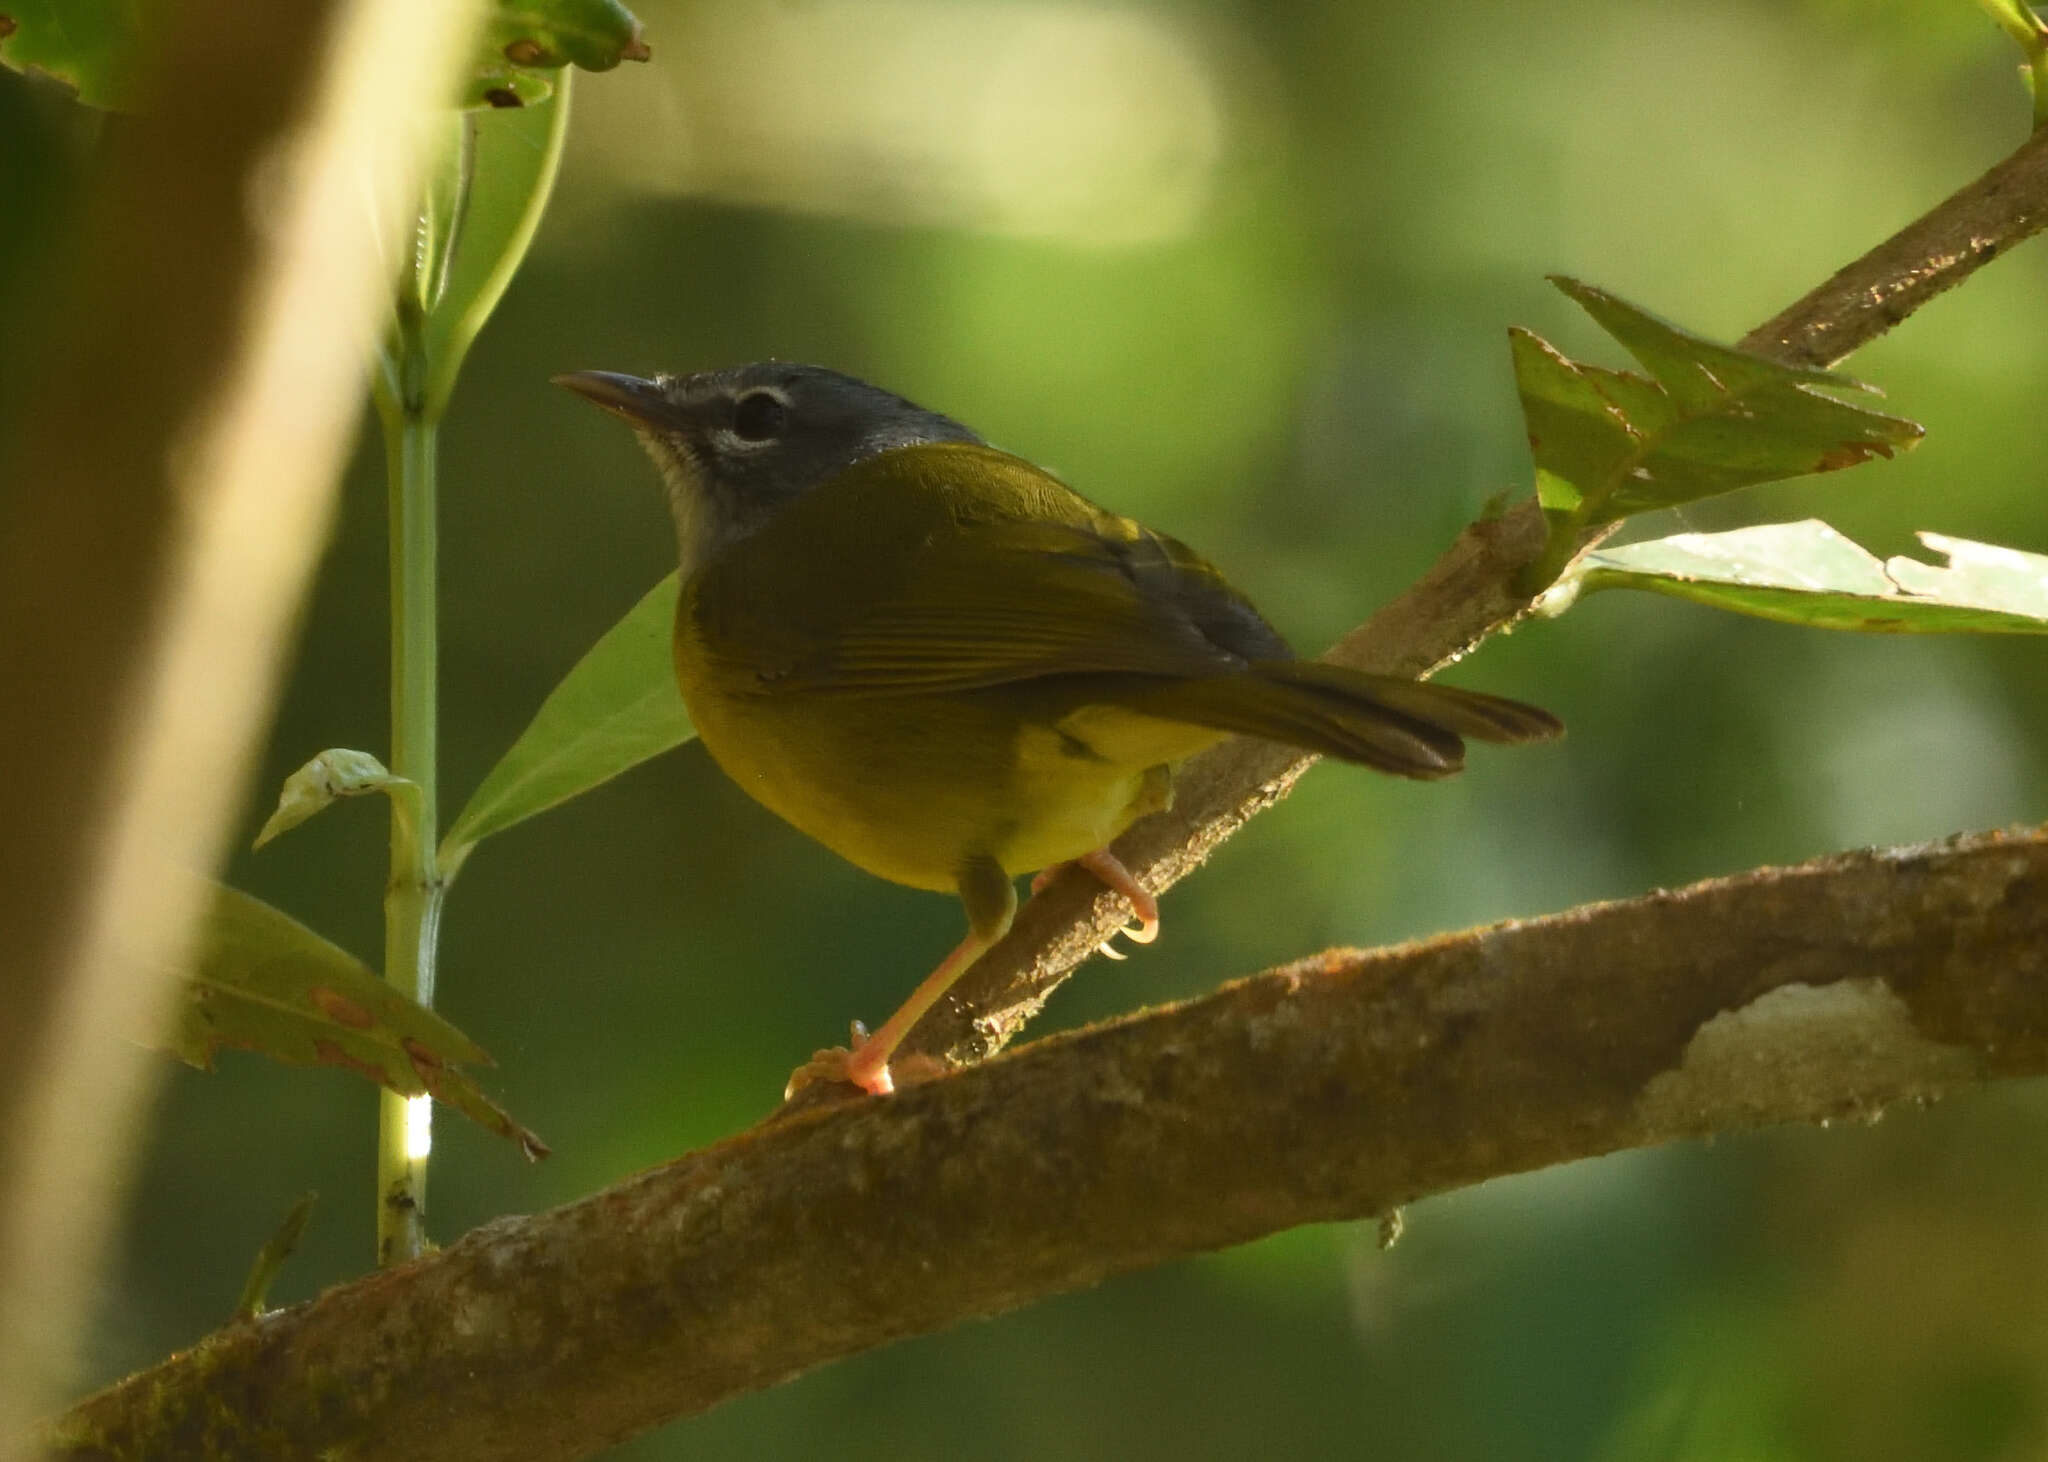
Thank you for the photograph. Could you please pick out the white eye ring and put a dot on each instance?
(758, 415)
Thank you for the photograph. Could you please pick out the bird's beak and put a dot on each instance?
(638, 400)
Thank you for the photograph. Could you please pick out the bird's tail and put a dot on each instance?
(1397, 725)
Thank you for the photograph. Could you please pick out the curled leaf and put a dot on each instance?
(333, 774)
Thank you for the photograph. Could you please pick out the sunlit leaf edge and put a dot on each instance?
(1748, 586)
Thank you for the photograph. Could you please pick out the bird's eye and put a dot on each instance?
(758, 415)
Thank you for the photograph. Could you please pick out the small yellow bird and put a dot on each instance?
(950, 668)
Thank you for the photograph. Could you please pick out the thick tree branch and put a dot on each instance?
(1465, 597)
(1338, 1087)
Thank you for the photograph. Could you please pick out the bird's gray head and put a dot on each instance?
(736, 445)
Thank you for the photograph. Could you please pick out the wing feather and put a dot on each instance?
(1019, 579)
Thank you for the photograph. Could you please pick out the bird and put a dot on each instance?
(950, 668)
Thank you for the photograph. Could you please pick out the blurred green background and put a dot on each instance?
(1244, 271)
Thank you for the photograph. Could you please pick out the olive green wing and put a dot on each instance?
(952, 567)
(1005, 575)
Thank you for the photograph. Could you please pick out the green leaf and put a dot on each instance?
(593, 34)
(501, 86)
(255, 1298)
(1983, 575)
(1707, 420)
(509, 170)
(262, 981)
(444, 206)
(524, 39)
(334, 774)
(89, 45)
(1807, 573)
(92, 46)
(617, 708)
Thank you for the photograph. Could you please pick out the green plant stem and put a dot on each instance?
(2018, 20)
(1566, 540)
(412, 899)
(440, 308)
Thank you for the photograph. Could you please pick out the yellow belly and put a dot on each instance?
(910, 787)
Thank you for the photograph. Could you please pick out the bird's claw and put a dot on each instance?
(834, 1066)
(1144, 931)
(843, 1066)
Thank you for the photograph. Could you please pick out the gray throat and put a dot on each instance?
(703, 528)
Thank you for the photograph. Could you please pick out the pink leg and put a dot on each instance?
(991, 904)
(866, 1065)
(1104, 865)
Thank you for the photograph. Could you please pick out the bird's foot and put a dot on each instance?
(864, 1064)
(1105, 866)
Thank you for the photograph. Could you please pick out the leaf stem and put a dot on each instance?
(1566, 539)
(412, 898)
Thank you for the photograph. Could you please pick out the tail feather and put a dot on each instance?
(1466, 712)
(1392, 724)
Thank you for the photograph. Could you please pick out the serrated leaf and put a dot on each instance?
(1807, 573)
(262, 981)
(524, 40)
(1709, 419)
(89, 45)
(615, 709)
(335, 773)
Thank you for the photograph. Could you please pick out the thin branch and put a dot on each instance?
(1465, 597)
(1930, 255)
(1336, 1088)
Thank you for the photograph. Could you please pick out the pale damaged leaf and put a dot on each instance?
(1807, 573)
(261, 981)
(333, 774)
